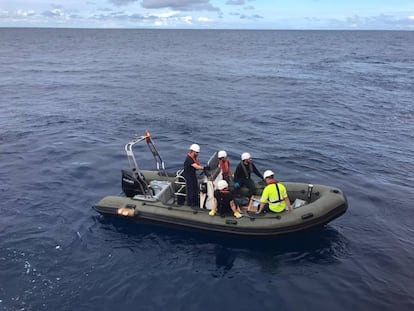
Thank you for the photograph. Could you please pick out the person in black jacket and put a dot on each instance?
(242, 175)
(224, 202)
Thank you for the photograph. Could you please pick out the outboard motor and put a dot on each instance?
(131, 185)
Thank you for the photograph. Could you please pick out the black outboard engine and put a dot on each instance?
(132, 185)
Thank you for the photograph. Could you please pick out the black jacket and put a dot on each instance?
(244, 171)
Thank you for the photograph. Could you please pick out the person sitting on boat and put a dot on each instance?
(191, 165)
(224, 202)
(224, 165)
(274, 196)
(242, 176)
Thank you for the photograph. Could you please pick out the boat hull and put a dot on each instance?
(326, 204)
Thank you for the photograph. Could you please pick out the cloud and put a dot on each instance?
(188, 19)
(20, 15)
(56, 6)
(235, 2)
(181, 5)
(25, 13)
(104, 9)
(255, 16)
(204, 19)
(168, 19)
(382, 21)
(53, 13)
(122, 2)
(122, 16)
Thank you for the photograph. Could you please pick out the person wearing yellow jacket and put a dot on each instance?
(274, 196)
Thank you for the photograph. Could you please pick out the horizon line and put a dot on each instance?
(215, 29)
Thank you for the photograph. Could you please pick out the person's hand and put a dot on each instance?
(206, 168)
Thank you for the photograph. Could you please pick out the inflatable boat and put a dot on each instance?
(158, 197)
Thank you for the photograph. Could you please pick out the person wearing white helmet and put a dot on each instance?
(191, 165)
(274, 196)
(224, 165)
(242, 175)
(223, 201)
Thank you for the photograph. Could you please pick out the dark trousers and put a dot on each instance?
(192, 192)
(250, 185)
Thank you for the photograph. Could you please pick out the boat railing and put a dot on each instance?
(180, 190)
(160, 164)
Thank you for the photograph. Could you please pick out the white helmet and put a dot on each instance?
(268, 173)
(222, 184)
(222, 154)
(245, 156)
(195, 147)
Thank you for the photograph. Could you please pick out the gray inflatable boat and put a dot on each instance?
(157, 197)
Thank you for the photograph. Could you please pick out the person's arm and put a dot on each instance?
(263, 200)
(262, 205)
(288, 203)
(197, 167)
(237, 173)
(237, 176)
(256, 171)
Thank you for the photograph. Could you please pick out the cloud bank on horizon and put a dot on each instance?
(210, 14)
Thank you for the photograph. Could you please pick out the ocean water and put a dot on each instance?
(329, 107)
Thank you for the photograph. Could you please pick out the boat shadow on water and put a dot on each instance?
(321, 245)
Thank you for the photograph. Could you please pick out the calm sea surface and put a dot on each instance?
(325, 107)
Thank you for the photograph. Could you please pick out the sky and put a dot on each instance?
(210, 14)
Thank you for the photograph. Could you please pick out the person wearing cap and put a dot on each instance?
(274, 196)
(191, 165)
(242, 175)
(224, 165)
(223, 201)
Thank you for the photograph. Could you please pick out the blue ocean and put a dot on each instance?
(322, 107)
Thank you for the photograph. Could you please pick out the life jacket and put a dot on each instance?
(194, 157)
(279, 199)
(225, 168)
(247, 172)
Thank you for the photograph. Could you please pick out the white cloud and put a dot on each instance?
(182, 5)
(235, 2)
(23, 13)
(160, 23)
(204, 19)
(166, 15)
(54, 13)
(187, 19)
(121, 2)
